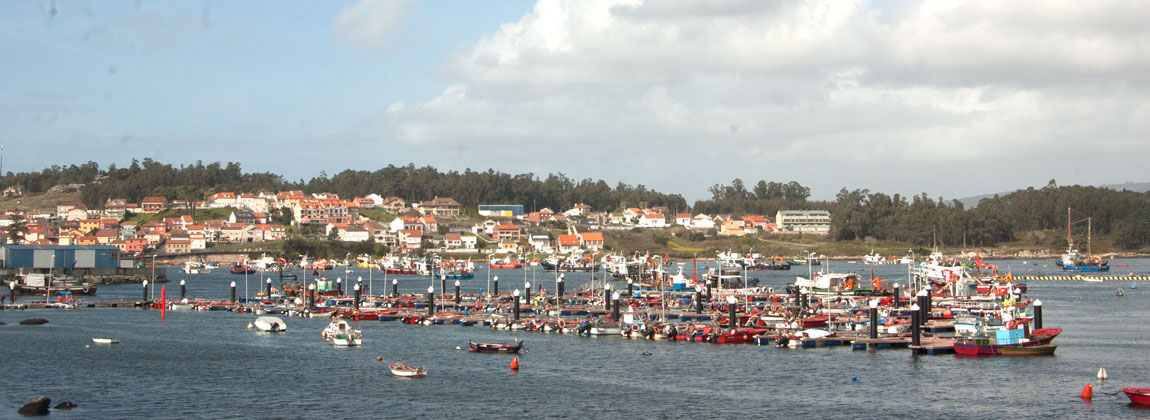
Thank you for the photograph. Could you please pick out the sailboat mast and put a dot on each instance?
(1089, 228)
(1069, 239)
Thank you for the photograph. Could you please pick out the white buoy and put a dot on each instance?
(458, 348)
(250, 326)
(1102, 375)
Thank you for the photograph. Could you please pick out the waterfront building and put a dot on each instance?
(72, 256)
(804, 221)
(500, 210)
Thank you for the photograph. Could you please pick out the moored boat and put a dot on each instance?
(99, 340)
(405, 371)
(269, 324)
(494, 347)
(340, 333)
(1140, 396)
(242, 269)
(990, 346)
(1041, 350)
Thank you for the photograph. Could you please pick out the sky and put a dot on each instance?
(948, 98)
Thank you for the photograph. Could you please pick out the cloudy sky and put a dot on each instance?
(944, 97)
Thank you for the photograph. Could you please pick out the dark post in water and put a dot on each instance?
(515, 304)
(708, 289)
(394, 287)
(915, 335)
(430, 300)
(560, 291)
(1038, 314)
(495, 286)
(311, 295)
(457, 298)
(874, 319)
(607, 296)
(355, 300)
(183, 290)
(630, 288)
(145, 293)
(527, 293)
(338, 286)
(615, 307)
(233, 292)
(698, 299)
(269, 291)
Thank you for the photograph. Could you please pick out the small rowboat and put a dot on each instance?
(105, 340)
(405, 371)
(1140, 396)
(494, 347)
(1043, 350)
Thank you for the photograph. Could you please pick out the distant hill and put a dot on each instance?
(1141, 187)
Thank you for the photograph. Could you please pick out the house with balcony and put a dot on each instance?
(506, 232)
(439, 206)
(591, 241)
(153, 205)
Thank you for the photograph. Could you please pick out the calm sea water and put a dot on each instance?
(208, 365)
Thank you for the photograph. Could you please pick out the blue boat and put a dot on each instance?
(464, 275)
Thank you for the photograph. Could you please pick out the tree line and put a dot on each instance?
(470, 188)
(920, 220)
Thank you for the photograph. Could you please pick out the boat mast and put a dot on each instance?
(1069, 239)
(1089, 227)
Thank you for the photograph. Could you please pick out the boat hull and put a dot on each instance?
(1140, 396)
(1040, 337)
(494, 347)
(404, 371)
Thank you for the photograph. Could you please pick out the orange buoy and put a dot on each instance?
(1088, 392)
(515, 364)
(379, 358)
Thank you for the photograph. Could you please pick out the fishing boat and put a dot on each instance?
(66, 286)
(242, 269)
(340, 333)
(494, 347)
(776, 264)
(404, 371)
(1140, 396)
(1040, 350)
(195, 267)
(505, 263)
(99, 340)
(1072, 260)
(839, 284)
(990, 346)
(269, 324)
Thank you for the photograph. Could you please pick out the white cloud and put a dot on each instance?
(371, 23)
(830, 93)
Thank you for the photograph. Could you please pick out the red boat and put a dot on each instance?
(971, 347)
(744, 336)
(494, 347)
(398, 271)
(817, 321)
(242, 269)
(1140, 396)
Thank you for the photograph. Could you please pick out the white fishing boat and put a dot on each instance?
(405, 371)
(340, 333)
(269, 324)
(99, 340)
(195, 267)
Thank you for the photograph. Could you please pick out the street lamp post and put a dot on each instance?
(153, 274)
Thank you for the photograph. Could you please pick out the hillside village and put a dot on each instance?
(440, 223)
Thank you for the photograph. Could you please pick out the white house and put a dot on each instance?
(702, 222)
(541, 243)
(683, 219)
(353, 234)
(652, 220)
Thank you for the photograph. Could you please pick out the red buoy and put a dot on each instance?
(515, 364)
(1088, 392)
